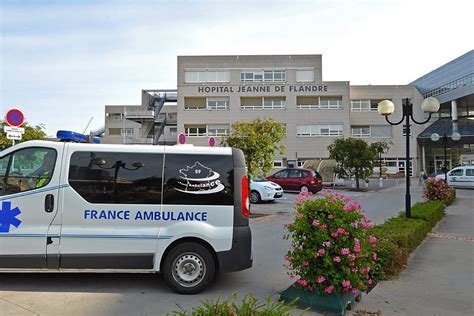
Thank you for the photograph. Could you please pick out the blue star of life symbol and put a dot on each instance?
(8, 217)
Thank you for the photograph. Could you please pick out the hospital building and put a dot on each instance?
(213, 92)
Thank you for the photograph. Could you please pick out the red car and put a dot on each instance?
(298, 179)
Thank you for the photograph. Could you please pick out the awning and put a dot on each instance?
(444, 126)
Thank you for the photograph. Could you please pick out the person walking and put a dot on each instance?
(422, 180)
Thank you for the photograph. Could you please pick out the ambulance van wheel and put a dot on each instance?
(189, 268)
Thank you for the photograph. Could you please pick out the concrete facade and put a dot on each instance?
(295, 111)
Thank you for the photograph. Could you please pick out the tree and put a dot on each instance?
(379, 148)
(31, 132)
(354, 158)
(259, 140)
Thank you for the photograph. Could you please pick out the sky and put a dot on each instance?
(63, 61)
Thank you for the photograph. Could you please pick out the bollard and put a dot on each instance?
(381, 182)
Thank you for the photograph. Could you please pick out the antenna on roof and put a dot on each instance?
(87, 125)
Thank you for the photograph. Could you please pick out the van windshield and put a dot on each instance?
(254, 179)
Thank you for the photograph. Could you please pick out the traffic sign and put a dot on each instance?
(212, 141)
(15, 117)
(181, 139)
(14, 136)
(14, 129)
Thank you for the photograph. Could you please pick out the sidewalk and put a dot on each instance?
(439, 276)
(373, 185)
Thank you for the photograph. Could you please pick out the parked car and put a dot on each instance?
(462, 177)
(298, 179)
(264, 190)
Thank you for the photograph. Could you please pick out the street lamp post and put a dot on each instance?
(386, 107)
(455, 137)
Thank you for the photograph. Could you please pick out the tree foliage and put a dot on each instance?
(259, 140)
(31, 133)
(354, 157)
(381, 146)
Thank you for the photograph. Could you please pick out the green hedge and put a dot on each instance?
(431, 211)
(399, 236)
(392, 258)
(406, 233)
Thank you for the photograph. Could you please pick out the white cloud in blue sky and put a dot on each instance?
(62, 61)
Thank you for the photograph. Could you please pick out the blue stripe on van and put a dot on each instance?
(89, 236)
(34, 191)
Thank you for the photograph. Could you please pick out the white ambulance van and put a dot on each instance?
(79, 207)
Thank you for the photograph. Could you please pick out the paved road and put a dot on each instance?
(378, 205)
(146, 294)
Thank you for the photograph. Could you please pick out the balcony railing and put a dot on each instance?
(140, 114)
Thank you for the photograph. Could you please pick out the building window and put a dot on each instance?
(305, 76)
(333, 129)
(374, 131)
(278, 163)
(217, 104)
(266, 103)
(195, 130)
(360, 131)
(127, 131)
(314, 102)
(115, 116)
(263, 75)
(251, 103)
(173, 131)
(330, 102)
(194, 103)
(300, 163)
(274, 103)
(115, 131)
(206, 76)
(274, 75)
(218, 130)
(206, 130)
(367, 105)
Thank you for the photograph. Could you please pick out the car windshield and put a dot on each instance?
(254, 179)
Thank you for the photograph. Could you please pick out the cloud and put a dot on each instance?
(64, 61)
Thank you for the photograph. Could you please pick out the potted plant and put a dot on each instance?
(333, 254)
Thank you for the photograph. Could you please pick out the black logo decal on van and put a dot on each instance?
(199, 179)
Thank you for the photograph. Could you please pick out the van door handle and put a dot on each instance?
(49, 203)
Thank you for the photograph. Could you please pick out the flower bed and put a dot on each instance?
(439, 190)
(332, 249)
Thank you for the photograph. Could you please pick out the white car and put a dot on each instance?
(264, 190)
(460, 177)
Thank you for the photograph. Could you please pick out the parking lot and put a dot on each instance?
(147, 294)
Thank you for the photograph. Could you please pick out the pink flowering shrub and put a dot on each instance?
(332, 248)
(439, 190)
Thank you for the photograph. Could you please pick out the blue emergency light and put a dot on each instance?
(69, 136)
